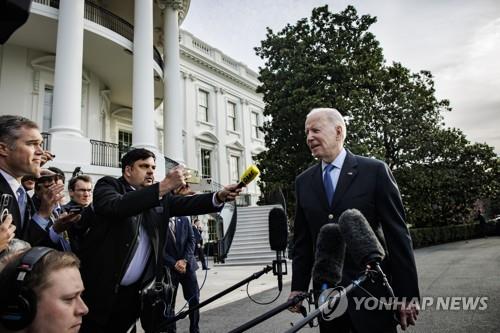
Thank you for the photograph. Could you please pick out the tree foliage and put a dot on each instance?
(321, 61)
(331, 59)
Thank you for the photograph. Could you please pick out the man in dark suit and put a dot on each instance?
(180, 260)
(21, 154)
(354, 182)
(198, 241)
(120, 249)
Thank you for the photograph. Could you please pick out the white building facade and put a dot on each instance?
(74, 69)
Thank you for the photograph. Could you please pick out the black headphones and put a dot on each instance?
(18, 308)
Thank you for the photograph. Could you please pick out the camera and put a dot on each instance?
(74, 209)
(156, 305)
(5, 200)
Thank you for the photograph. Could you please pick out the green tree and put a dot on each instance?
(442, 186)
(320, 61)
(493, 208)
(399, 118)
(332, 59)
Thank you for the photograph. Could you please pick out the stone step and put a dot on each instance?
(250, 240)
(252, 218)
(250, 251)
(249, 262)
(252, 233)
(247, 242)
(243, 222)
(251, 246)
(267, 255)
(249, 227)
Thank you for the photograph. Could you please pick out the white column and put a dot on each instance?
(173, 113)
(66, 115)
(143, 130)
(221, 162)
(67, 142)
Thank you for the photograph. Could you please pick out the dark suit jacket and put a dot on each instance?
(198, 238)
(108, 245)
(184, 245)
(30, 232)
(367, 185)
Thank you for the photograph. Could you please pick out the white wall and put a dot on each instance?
(15, 81)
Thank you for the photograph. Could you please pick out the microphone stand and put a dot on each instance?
(385, 282)
(331, 300)
(271, 313)
(184, 314)
(280, 268)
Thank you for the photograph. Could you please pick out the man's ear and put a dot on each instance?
(338, 131)
(127, 170)
(4, 149)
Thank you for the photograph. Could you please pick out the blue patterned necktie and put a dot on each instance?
(327, 182)
(21, 202)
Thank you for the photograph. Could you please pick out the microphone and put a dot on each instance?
(364, 247)
(17, 12)
(329, 258)
(278, 239)
(362, 243)
(250, 173)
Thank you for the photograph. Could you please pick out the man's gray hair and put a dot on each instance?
(10, 126)
(332, 115)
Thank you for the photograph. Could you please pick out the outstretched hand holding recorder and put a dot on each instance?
(230, 192)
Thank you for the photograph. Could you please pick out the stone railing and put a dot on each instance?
(192, 43)
(107, 154)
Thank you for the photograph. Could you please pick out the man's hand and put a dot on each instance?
(64, 221)
(175, 178)
(46, 157)
(7, 232)
(229, 193)
(408, 314)
(184, 190)
(296, 307)
(180, 266)
(50, 199)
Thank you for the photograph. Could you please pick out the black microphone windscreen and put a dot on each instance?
(278, 229)
(360, 239)
(13, 15)
(330, 252)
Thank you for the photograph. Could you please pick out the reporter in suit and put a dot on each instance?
(180, 260)
(119, 250)
(21, 154)
(358, 182)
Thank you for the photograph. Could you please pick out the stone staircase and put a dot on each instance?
(251, 240)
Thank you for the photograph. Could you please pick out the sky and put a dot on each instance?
(457, 40)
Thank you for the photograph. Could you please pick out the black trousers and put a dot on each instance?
(191, 294)
(125, 312)
(340, 324)
(201, 255)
